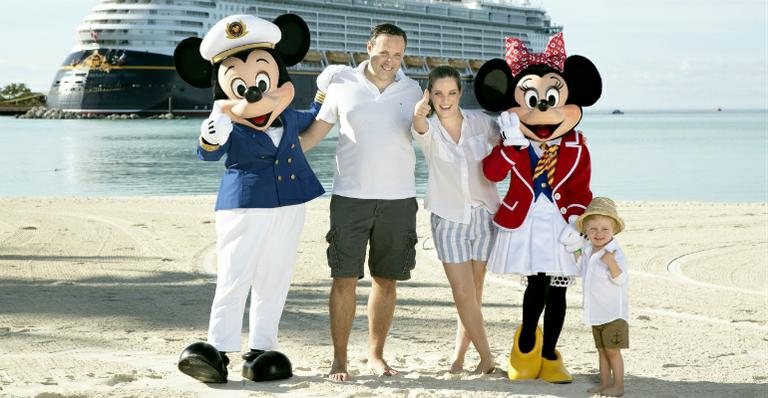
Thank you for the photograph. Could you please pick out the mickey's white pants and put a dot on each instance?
(256, 252)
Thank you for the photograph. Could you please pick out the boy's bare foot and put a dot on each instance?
(613, 391)
(596, 389)
(338, 371)
(457, 367)
(380, 368)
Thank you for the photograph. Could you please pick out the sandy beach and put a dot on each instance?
(99, 295)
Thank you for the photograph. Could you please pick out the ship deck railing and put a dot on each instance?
(415, 65)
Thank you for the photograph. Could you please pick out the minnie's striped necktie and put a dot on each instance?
(547, 163)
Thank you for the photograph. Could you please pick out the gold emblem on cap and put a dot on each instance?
(236, 29)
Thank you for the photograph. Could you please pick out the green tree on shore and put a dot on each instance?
(18, 94)
(14, 90)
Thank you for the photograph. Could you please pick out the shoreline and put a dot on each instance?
(100, 294)
(327, 197)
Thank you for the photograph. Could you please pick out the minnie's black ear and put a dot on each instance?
(294, 43)
(493, 86)
(190, 65)
(584, 83)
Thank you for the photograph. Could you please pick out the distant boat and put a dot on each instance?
(719, 109)
(617, 112)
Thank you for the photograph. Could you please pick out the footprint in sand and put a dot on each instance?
(300, 386)
(121, 378)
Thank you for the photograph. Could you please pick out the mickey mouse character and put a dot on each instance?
(542, 96)
(260, 204)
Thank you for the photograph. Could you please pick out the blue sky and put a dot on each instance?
(653, 54)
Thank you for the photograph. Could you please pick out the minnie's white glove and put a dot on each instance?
(509, 124)
(325, 77)
(572, 239)
(215, 130)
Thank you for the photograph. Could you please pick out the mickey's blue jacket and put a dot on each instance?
(260, 175)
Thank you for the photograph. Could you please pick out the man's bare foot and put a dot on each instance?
(338, 371)
(457, 367)
(485, 368)
(613, 391)
(596, 389)
(380, 368)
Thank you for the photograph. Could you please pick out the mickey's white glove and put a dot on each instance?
(572, 239)
(509, 124)
(325, 77)
(215, 130)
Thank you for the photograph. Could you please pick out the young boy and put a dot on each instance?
(604, 271)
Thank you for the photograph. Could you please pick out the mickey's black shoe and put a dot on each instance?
(262, 365)
(204, 362)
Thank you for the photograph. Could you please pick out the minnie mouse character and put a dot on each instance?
(260, 204)
(548, 162)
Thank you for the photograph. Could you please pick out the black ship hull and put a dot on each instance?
(116, 81)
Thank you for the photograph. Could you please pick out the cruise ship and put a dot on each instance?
(122, 61)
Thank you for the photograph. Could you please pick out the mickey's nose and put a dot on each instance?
(543, 105)
(253, 94)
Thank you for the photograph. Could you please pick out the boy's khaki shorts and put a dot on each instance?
(614, 334)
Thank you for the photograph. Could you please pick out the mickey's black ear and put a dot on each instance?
(294, 43)
(190, 65)
(493, 86)
(584, 83)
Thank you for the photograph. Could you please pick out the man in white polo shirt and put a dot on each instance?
(373, 190)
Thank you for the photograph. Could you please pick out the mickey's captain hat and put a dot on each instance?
(237, 33)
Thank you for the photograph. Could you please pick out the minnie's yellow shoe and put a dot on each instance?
(525, 365)
(554, 371)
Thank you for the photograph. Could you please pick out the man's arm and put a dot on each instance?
(319, 127)
(316, 132)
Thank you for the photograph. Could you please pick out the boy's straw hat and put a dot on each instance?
(604, 207)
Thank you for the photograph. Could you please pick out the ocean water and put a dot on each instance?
(715, 156)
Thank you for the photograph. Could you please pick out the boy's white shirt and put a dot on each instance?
(605, 298)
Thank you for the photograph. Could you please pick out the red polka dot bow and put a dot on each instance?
(518, 57)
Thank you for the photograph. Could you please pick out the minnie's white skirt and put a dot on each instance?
(534, 247)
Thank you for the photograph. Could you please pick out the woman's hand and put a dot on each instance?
(420, 112)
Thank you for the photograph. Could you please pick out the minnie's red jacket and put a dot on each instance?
(570, 192)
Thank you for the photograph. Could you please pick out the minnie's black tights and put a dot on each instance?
(541, 297)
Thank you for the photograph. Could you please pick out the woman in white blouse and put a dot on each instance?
(461, 199)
